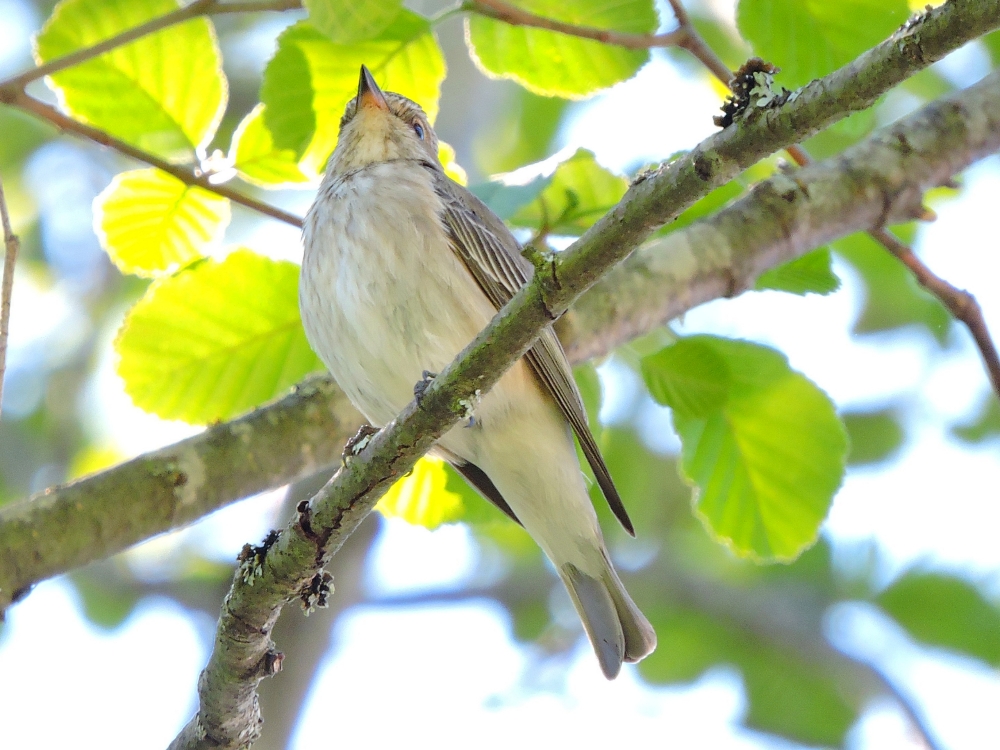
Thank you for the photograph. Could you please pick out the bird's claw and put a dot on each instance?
(421, 386)
(356, 444)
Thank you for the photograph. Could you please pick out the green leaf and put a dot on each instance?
(216, 339)
(106, 604)
(985, 426)
(422, 496)
(761, 442)
(693, 380)
(874, 436)
(811, 273)
(258, 160)
(554, 64)
(520, 131)
(347, 21)
(795, 698)
(809, 38)
(151, 223)
(893, 298)
(503, 199)
(992, 43)
(310, 79)
(942, 610)
(581, 192)
(164, 92)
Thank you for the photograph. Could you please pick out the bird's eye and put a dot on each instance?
(419, 130)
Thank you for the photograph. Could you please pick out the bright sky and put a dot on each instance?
(453, 672)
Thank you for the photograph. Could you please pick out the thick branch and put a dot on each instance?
(877, 182)
(97, 516)
(848, 193)
(31, 534)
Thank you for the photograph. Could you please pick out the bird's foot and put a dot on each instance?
(356, 444)
(423, 384)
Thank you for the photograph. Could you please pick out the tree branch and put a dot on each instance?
(13, 93)
(95, 517)
(72, 525)
(27, 103)
(961, 304)
(194, 10)
(920, 151)
(11, 248)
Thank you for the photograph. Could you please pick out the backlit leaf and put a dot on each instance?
(216, 339)
(258, 160)
(310, 79)
(422, 496)
(554, 64)
(347, 21)
(151, 223)
(164, 92)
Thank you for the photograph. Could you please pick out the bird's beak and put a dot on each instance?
(369, 94)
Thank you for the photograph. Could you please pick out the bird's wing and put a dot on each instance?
(493, 257)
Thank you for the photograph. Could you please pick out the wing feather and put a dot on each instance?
(493, 256)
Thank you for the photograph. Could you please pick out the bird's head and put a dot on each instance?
(381, 126)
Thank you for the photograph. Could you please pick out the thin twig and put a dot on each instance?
(961, 304)
(692, 41)
(684, 36)
(12, 92)
(29, 104)
(11, 247)
(908, 706)
(195, 9)
(502, 11)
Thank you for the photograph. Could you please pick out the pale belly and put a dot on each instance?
(383, 297)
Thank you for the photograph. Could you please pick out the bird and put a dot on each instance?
(402, 267)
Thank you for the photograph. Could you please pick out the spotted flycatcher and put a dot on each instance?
(402, 268)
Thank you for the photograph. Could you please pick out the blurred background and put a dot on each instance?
(462, 635)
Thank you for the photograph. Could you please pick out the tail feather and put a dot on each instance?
(618, 631)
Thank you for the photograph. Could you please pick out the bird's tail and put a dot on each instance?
(617, 629)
